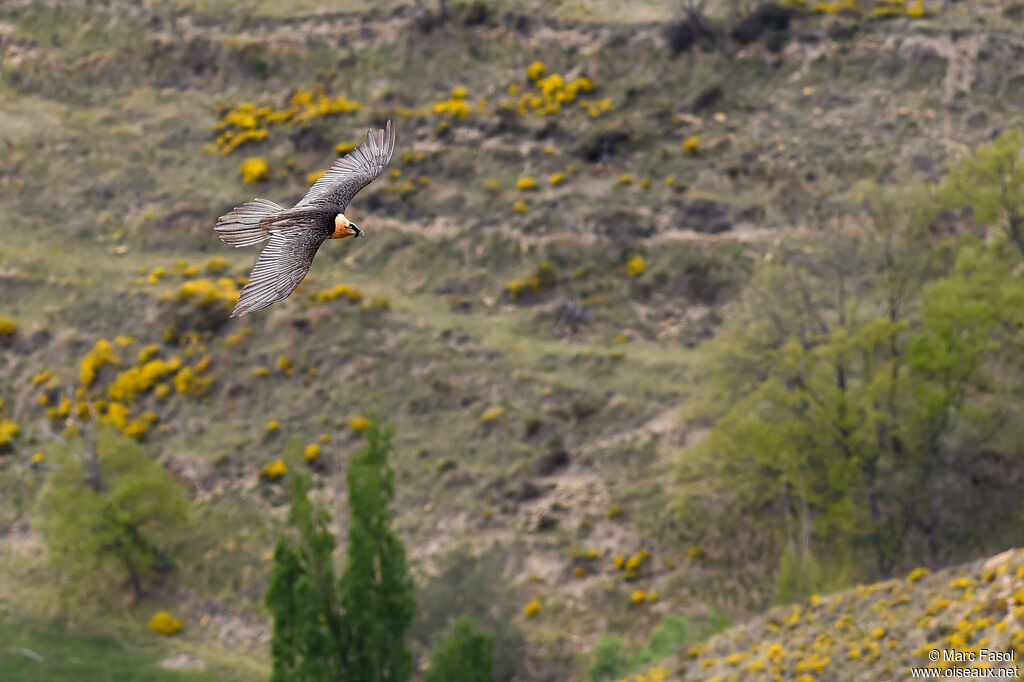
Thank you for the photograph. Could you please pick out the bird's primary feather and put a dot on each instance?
(351, 173)
(281, 267)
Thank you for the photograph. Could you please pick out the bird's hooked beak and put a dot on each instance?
(355, 228)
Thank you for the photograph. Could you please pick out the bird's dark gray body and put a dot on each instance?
(294, 235)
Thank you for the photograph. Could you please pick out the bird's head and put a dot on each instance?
(343, 227)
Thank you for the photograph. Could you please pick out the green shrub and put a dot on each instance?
(110, 514)
(608, 661)
(471, 586)
(462, 655)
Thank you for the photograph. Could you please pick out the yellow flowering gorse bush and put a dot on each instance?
(8, 431)
(254, 169)
(248, 122)
(274, 470)
(458, 106)
(101, 354)
(492, 414)
(346, 291)
(636, 266)
(7, 327)
(545, 94)
(163, 623)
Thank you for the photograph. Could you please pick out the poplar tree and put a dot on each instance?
(353, 628)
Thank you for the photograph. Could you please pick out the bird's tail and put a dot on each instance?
(249, 223)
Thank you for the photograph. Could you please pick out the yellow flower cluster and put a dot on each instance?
(7, 327)
(557, 179)
(526, 183)
(691, 145)
(147, 352)
(135, 380)
(521, 206)
(339, 291)
(541, 280)
(236, 338)
(636, 266)
(112, 413)
(254, 169)
(550, 93)
(312, 451)
(492, 414)
(61, 409)
(457, 105)
(359, 423)
(917, 574)
(597, 107)
(633, 565)
(639, 596)
(206, 292)
(192, 382)
(274, 470)
(284, 363)
(878, 8)
(102, 353)
(163, 623)
(8, 431)
(532, 608)
(248, 122)
(138, 427)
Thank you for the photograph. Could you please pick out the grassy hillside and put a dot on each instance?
(878, 631)
(547, 152)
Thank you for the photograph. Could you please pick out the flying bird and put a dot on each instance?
(293, 235)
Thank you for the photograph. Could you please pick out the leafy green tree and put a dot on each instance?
(354, 628)
(377, 593)
(852, 390)
(109, 512)
(991, 182)
(462, 655)
(310, 640)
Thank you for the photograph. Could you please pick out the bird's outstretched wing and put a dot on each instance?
(281, 267)
(351, 173)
